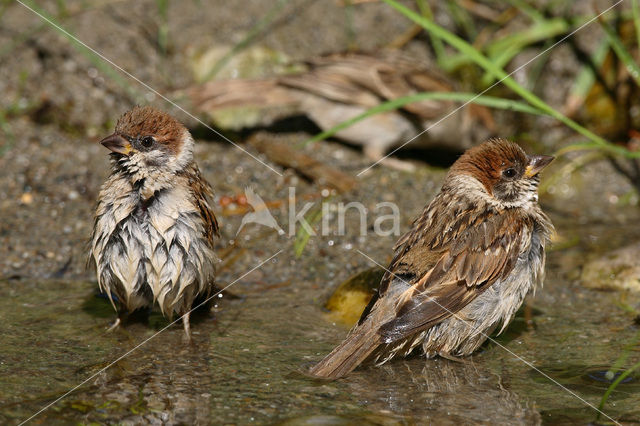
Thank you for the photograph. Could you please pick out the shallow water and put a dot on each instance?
(246, 360)
(248, 353)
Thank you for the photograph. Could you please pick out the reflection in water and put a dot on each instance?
(164, 382)
(443, 391)
(239, 369)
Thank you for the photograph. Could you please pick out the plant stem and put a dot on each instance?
(497, 72)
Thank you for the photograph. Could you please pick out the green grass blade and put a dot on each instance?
(528, 10)
(163, 26)
(635, 9)
(496, 71)
(349, 25)
(615, 384)
(436, 43)
(624, 356)
(255, 31)
(302, 236)
(462, 19)
(590, 146)
(538, 66)
(621, 51)
(9, 137)
(394, 104)
(502, 51)
(586, 77)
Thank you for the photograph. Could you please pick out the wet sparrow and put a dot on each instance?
(153, 234)
(464, 267)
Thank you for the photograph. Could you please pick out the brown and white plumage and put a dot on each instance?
(154, 230)
(464, 267)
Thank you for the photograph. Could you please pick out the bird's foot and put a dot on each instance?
(447, 355)
(115, 325)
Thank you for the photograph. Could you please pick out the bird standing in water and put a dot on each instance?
(153, 235)
(465, 266)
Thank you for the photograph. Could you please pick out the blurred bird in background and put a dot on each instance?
(333, 88)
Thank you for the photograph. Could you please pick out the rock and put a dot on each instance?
(352, 296)
(616, 270)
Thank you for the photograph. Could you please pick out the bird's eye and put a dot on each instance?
(147, 141)
(509, 173)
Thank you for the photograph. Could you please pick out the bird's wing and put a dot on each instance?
(447, 269)
(201, 191)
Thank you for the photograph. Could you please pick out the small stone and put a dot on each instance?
(351, 297)
(616, 270)
(26, 198)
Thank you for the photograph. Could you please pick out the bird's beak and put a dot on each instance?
(117, 143)
(537, 163)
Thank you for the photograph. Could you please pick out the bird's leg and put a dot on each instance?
(187, 327)
(528, 317)
(115, 325)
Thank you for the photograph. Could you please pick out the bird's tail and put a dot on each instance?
(360, 343)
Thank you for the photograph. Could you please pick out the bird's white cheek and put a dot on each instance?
(185, 156)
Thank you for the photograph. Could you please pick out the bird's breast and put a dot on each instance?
(154, 245)
(501, 301)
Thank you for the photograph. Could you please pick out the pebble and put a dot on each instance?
(616, 270)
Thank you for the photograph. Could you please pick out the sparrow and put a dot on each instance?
(153, 233)
(333, 88)
(464, 267)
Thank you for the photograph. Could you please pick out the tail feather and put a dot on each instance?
(349, 354)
